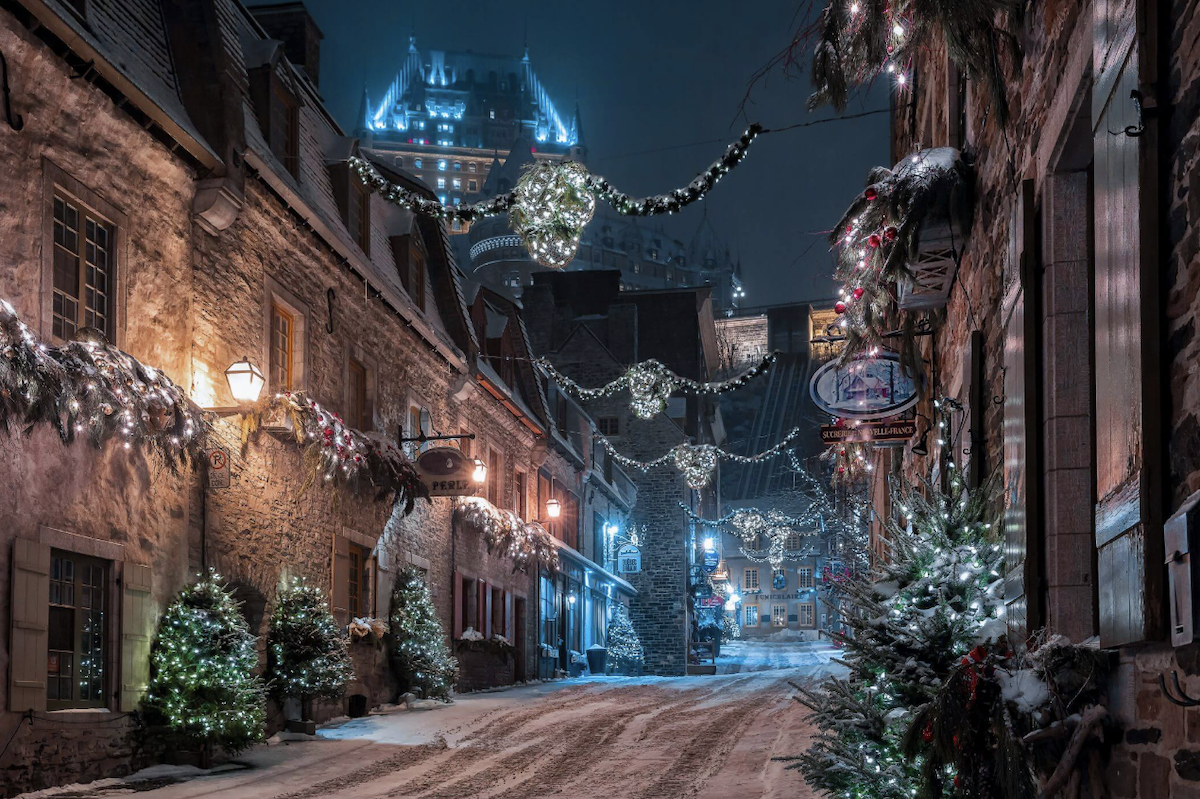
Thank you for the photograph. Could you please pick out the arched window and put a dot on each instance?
(417, 164)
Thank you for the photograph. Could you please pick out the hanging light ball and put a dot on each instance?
(551, 206)
(649, 389)
(697, 463)
(839, 307)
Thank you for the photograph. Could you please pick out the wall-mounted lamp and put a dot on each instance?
(245, 382)
(571, 598)
(611, 529)
(709, 545)
(480, 473)
(553, 508)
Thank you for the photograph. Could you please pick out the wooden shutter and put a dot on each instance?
(137, 620)
(340, 577)
(1021, 464)
(29, 640)
(1129, 436)
(458, 605)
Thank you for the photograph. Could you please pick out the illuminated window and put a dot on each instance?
(806, 614)
(805, 573)
(441, 165)
(283, 347)
(83, 270)
(779, 615)
(456, 183)
(471, 167)
(359, 584)
(750, 579)
(751, 614)
(457, 166)
(77, 631)
(441, 183)
(417, 164)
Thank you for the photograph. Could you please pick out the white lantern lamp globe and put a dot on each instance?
(245, 381)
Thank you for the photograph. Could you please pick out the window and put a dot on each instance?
(441, 164)
(491, 113)
(417, 164)
(750, 579)
(457, 166)
(283, 348)
(84, 270)
(469, 618)
(521, 494)
(357, 410)
(792, 544)
(441, 183)
(805, 574)
(608, 426)
(456, 183)
(806, 615)
(495, 479)
(77, 629)
(779, 615)
(285, 129)
(471, 167)
(751, 614)
(472, 185)
(359, 585)
(498, 615)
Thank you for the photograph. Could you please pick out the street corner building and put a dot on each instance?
(1063, 341)
(251, 351)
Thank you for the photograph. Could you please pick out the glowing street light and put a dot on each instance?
(245, 381)
(553, 508)
(480, 473)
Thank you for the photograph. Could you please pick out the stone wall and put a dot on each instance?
(1159, 750)
(128, 502)
(742, 341)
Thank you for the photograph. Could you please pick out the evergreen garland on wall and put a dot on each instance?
(203, 688)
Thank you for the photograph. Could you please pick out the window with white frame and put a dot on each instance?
(805, 573)
(751, 616)
(779, 615)
(805, 611)
(750, 579)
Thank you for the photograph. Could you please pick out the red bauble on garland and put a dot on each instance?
(874, 240)
(858, 292)
(839, 307)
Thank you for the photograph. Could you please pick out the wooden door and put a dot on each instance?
(1129, 438)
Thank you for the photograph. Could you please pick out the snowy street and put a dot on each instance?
(744, 656)
(610, 737)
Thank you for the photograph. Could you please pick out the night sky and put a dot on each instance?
(650, 75)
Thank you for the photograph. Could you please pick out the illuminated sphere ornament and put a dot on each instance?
(551, 205)
(649, 389)
(697, 463)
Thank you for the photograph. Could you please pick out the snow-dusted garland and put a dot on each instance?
(504, 531)
(749, 522)
(698, 462)
(651, 383)
(364, 461)
(858, 40)
(880, 232)
(552, 202)
(92, 390)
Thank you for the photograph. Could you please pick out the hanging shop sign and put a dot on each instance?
(712, 602)
(881, 433)
(712, 559)
(629, 559)
(446, 472)
(864, 388)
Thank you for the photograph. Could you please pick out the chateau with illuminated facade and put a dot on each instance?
(467, 124)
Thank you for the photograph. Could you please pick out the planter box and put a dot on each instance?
(933, 268)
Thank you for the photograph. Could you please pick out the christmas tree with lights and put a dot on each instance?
(203, 688)
(935, 603)
(624, 647)
(307, 653)
(420, 654)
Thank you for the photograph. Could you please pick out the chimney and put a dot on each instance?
(291, 24)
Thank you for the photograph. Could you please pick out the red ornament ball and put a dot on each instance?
(874, 240)
(839, 307)
(858, 292)
(870, 193)
(841, 470)
(891, 234)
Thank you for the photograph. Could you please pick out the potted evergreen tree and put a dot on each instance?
(420, 655)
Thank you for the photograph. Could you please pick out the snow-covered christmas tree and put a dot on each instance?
(307, 653)
(420, 654)
(912, 621)
(203, 688)
(624, 647)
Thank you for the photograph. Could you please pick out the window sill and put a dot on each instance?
(81, 713)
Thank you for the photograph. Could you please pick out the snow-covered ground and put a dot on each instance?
(742, 656)
(609, 737)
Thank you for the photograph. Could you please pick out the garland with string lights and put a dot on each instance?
(203, 687)
(698, 462)
(91, 390)
(420, 654)
(307, 655)
(335, 452)
(522, 542)
(650, 384)
(880, 233)
(859, 40)
(553, 201)
(752, 521)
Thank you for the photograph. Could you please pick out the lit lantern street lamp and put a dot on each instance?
(245, 381)
(480, 473)
(553, 508)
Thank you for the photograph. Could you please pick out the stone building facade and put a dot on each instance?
(592, 332)
(1068, 340)
(192, 175)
